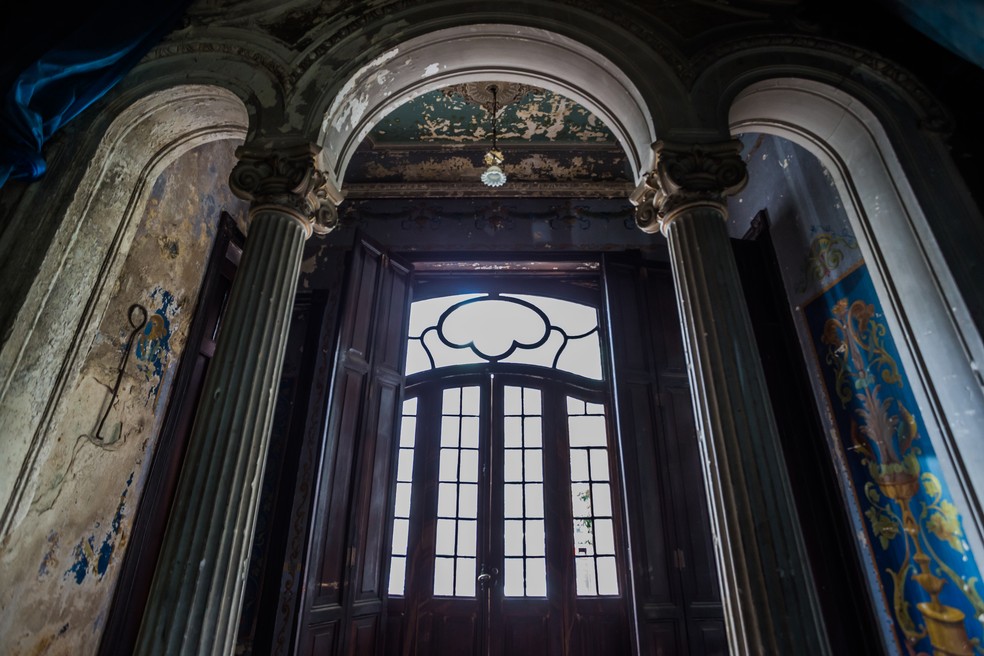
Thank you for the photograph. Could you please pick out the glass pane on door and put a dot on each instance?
(456, 541)
(591, 500)
(524, 540)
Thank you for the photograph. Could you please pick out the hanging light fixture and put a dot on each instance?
(493, 175)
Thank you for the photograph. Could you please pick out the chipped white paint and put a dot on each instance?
(477, 52)
(343, 106)
(383, 58)
(352, 113)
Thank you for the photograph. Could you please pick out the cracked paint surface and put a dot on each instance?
(60, 566)
(540, 116)
(440, 137)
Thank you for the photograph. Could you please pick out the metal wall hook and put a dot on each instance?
(137, 316)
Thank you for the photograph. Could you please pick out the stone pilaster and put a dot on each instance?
(768, 592)
(197, 591)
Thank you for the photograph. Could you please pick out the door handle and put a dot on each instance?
(485, 577)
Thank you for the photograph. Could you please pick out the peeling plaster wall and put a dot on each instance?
(445, 116)
(59, 569)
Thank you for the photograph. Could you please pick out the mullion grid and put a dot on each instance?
(402, 499)
(525, 574)
(455, 542)
(591, 500)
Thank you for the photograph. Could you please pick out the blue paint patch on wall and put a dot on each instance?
(927, 575)
(81, 565)
(49, 559)
(104, 555)
(154, 344)
(87, 558)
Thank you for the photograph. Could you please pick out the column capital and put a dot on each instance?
(687, 176)
(287, 179)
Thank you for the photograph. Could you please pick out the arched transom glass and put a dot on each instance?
(508, 328)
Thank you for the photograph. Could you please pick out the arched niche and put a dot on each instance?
(58, 319)
(928, 317)
(486, 52)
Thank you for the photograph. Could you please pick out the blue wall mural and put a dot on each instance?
(154, 345)
(928, 577)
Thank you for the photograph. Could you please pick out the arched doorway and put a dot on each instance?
(551, 535)
(508, 418)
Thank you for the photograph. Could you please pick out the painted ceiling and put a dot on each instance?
(438, 140)
(447, 116)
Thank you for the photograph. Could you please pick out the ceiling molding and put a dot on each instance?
(482, 145)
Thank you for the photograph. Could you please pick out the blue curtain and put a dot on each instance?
(955, 24)
(72, 75)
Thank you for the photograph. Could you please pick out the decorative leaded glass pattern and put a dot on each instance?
(457, 498)
(524, 542)
(509, 328)
(591, 499)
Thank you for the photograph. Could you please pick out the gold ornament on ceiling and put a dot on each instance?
(480, 93)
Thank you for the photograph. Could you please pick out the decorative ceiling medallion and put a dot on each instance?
(480, 93)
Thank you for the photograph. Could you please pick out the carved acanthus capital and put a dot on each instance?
(287, 179)
(688, 176)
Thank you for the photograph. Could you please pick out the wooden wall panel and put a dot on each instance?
(674, 572)
(346, 560)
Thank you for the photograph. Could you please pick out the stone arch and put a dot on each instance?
(99, 214)
(256, 69)
(727, 69)
(486, 52)
(932, 321)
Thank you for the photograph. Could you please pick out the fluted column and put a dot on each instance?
(768, 592)
(197, 591)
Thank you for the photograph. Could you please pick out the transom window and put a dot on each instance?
(508, 328)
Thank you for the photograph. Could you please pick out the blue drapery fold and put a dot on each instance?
(72, 75)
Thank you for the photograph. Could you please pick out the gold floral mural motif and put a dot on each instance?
(825, 256)
(907, 504)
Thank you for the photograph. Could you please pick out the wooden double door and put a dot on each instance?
(361, 566)
(507, 534)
